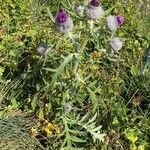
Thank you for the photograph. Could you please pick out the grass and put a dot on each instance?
(15, 134)
(108, 93)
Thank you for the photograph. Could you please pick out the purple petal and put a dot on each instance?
(61, 16)
(120, 20)
(94, 3)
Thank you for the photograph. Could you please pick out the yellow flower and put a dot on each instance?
(51, 128)
(94, 67)
(34, 132)
(96, 54)
(67, 75)
(57, 129)
(48, 129)
(49, 125)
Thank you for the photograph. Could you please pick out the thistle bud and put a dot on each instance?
(63, 22)
(67, 107)
(120, 20)
(93, 10)
(148, 56)
(116, 43)
(113, 22)
(79, 9)
(42, 48)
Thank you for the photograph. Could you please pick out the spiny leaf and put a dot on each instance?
(51, 16)
(34, 100)
(60, 68)
(92, 120)
(76, 139)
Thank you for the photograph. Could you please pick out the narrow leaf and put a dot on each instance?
(78, 140)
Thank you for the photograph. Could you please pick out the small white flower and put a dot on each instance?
(93, 10)
(116, 43)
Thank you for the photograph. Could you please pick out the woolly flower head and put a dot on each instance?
(116, 43)
(67, 107)
(63, 22)
(42, 48)
(93, 10)
(113, 22)
(79, 9)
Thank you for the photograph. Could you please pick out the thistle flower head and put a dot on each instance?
(120, 20)
(113, 22)
(79, 9)
(93, 10)
(67, 107)
(42, 48)
(116, 43)
(63, 22)
(94, 3)
(61, 16)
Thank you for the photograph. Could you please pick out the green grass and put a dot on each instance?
(14, 134)
(104, 88)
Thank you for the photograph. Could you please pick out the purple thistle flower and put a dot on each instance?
(93, 10)
(94, 3)
(61, 16)
(113, 22)
(63, 22)
(120, 20)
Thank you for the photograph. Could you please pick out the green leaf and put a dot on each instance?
(134, 70)
(34, 101)
(2, 69)
(32, 32)
(92, 120)
(60, 68)
(12, 53)
(51, 16)
(15, 104)
(1, 47)
(131, 135)
(78, 140)
(77, 132)
(41, 113)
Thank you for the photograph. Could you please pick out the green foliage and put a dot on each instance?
(73, 136)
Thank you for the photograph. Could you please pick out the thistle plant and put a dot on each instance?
(72, 136)
(77, 79)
